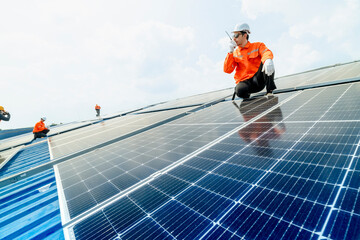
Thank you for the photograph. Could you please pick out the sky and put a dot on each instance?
(60, 58)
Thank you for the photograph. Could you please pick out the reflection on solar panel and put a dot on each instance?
(87, 137)
(322, 75)
(273, 168)
(191, 101)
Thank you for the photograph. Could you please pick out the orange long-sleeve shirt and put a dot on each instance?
(246, 61)
(39, 126)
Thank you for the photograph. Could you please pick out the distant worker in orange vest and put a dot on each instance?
(4, 115)
(97, 109)
(40, 130)
(253, 64)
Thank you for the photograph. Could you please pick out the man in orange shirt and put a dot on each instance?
(40, 130)
(252, 62)
(97, 109)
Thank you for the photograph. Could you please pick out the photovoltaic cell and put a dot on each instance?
(294, 178)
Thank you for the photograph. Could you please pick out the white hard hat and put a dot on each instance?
(43, 118)
(244, 27)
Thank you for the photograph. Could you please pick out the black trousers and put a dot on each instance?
(255, 84)
(41, 134)
(97, 112)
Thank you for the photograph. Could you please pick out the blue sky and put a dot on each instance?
(60, 58)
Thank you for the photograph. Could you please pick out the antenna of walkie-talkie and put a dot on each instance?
(228, 35)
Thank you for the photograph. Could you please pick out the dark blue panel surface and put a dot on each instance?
(343, 225)
(123, 213)
(148, 198)
(349, 200)
(203, 163)
(182, 222)
(353, 179)
(206, 203)
(187, 173)
(128, 162)
(94, 227)
(147, 229)
(224, 186)
(169, 184)
(293, 174)
(239, 173)
(221, 233)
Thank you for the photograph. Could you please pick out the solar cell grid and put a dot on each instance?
(323, 75)
(289, 197)
(182, 172)
(131, 161)
(90, 136)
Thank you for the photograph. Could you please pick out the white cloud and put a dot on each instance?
(255, 8)
(315, 31)
(60, 58)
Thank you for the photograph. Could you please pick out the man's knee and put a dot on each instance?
(242, 90)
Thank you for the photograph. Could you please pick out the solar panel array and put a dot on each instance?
(74, 141)
(189, 101)
(26, 138)
(283, 167)
(322, 75)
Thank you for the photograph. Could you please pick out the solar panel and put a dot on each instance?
(101, 174)
(192, 100)
(26, 138)
(15, 141)
(322, 75)
(154, 150)
(83, 138)
(289, 174)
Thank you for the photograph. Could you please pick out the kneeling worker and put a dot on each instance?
(253, 64)
(40, 130)
(4, 115)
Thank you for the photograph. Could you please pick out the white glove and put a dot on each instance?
(232, 46)
(268, 67)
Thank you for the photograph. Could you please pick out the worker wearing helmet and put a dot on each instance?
(4, 115)
(40, 130)
(252, 62)
(97, 109)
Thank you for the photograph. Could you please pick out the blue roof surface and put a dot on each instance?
(29, 209)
